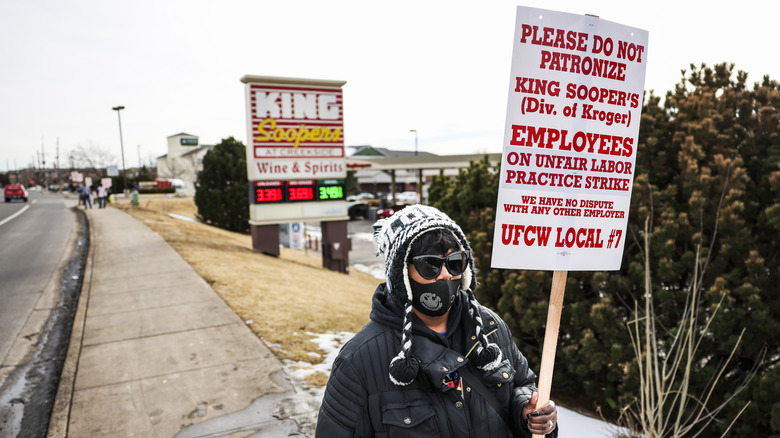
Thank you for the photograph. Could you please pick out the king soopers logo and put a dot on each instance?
(430, 301)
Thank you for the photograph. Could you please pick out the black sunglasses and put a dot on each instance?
(429, 266)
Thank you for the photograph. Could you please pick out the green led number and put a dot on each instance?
(331, 192)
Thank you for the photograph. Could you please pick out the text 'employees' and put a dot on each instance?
(588, 142)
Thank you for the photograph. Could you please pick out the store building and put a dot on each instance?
(183, 161)
(387, 173)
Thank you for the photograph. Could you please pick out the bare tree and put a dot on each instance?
(182, 167)
(92, 156)
(666, 408)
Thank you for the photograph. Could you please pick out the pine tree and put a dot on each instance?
(703, 179)
(221, 190)
(707, 178)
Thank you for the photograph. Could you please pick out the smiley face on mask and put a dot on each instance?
(434, 299)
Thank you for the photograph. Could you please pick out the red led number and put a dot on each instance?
(300, 193)
(269, 195)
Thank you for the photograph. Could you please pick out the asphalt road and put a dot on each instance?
(33, 236)
(363, 250)
(43, 248)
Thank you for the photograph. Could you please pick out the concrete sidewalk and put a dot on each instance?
(155, 352)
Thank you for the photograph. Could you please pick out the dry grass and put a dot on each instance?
(284, 298)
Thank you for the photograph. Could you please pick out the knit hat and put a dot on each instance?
(393, 238)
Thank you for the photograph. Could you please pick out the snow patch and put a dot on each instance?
(377, 270)
(366, 237)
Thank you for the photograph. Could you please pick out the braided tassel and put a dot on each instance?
(404, 367)
(489, 356)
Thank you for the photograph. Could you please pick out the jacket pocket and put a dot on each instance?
(409, 419)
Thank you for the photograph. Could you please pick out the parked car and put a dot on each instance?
(361, 197)
(15, 191)
(357, 209)
(408, 197)
(388, 211)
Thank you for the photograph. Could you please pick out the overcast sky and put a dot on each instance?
(440, 67)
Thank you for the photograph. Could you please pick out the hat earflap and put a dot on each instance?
(404, 367)
(489, 355)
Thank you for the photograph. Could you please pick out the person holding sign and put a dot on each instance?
(432, 362)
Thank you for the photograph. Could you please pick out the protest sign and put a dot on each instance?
(570, 142)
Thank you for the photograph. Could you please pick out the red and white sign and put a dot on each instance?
(295, 128)
(570, 142)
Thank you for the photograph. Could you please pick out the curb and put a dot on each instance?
(60, 413)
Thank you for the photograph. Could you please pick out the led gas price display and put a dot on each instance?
(265, 192)
(331, 189)
(300, 190)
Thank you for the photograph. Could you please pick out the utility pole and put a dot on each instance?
(43, 164)
(419, 171)
(57, 168)
(122, 145)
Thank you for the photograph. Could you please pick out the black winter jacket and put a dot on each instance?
(361, 401)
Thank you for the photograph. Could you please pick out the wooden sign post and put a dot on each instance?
(554, 310)
(575, 100)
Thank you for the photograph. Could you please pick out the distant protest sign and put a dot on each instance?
(570, 142)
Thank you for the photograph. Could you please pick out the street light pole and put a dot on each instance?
(419, 171)
(122, 145)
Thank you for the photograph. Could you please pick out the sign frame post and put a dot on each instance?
(554, 310)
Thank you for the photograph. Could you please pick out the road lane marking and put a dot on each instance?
(2, 222)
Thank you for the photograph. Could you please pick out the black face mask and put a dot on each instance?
(434, 299)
